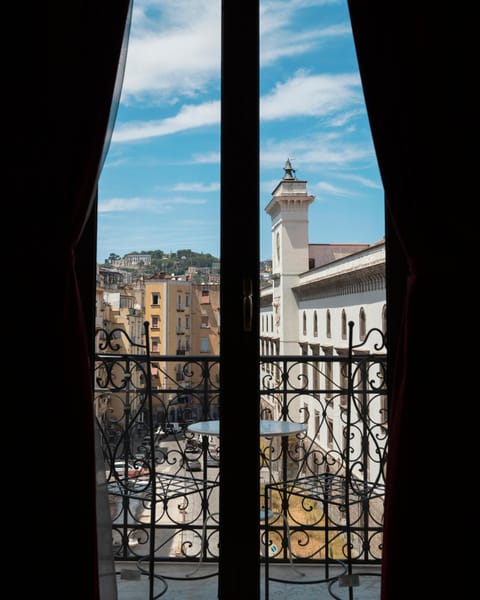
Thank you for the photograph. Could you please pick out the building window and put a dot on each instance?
(205, 297)
(328, 376)
(315, 324)
(155, 322)
(329, 324)
(363, 323)
(315, 351)
(344, 439)
(179, 325)
(187, 299)
(304, 382)
(155, 299)
(187, 322)
(344, 325)
(179, 374)
(384, 319)
(304, 318)
(204, 321)
(329, 433)
(316, 422)
(383, 411)
(179, 302)
(155, 345)
(204, 344)
(306, 413)
(343, 382)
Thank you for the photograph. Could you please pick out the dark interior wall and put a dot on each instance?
(435, 74)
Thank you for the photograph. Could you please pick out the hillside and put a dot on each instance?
(168, 262)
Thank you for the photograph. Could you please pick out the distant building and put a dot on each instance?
(133, 260)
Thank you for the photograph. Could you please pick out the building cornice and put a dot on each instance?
(367, 279)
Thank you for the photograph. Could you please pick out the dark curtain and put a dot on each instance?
(412, 64)
(413, 67)
(86, 55)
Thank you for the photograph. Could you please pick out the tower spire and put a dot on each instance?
(289, 170)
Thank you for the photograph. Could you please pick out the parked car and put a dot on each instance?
(173, 427)
(132, 470)
(161, 451)
(213, 461)
(192, 464)
(192, 448)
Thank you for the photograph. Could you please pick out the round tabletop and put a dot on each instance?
(268, 428)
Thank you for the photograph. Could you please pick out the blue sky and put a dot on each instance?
(160, 185)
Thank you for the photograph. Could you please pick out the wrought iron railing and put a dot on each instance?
(143, 413)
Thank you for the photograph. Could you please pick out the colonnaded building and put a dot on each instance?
(314, 292)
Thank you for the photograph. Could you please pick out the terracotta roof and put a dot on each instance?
(323, 254)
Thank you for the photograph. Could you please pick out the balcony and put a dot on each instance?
(342, 400)
(132, 587)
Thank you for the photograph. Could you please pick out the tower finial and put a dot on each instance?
(289, 170)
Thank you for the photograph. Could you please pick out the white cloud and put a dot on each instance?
(125, 204)
(302, 95)
(314, 153)
(325, 186)
(369, 183)
(174, 49)
(279, 14)
(111, 205)
(344, 118)
(207, 158)
(189, 117)
(196, 187)
(282, 44)
(189, 201)
(311, 95)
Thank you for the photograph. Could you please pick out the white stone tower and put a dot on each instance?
(288, 210)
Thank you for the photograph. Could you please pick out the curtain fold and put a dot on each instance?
(409, 55)
(87, 51)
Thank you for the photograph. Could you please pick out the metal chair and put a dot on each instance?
(342, 488)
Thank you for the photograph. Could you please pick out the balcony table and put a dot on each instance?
(268, 428)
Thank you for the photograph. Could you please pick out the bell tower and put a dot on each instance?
(288, 210)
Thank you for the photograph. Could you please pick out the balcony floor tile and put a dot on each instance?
(206, 589)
